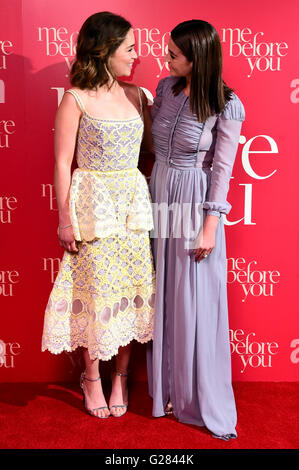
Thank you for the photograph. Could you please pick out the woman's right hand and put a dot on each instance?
(66, 239)
(66, 129)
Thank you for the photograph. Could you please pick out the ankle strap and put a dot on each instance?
(90, 380)
(121, 374)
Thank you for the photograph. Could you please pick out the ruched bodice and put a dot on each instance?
(183, 143)
(176, 136)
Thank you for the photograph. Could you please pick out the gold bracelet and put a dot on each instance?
(66, 226)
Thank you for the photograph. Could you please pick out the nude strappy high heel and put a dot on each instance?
(119, 406)
(168, 409)
(91, 411)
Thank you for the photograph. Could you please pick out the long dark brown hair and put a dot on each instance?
(200, 44)
(99, 37)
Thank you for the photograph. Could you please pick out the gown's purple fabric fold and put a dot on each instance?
(189, 359)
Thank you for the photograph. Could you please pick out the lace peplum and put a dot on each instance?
(102, 204)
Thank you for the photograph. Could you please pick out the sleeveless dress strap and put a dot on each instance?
(140, 102)
(77, 98)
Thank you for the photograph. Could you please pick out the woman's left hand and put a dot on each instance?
(205, 241)
(204, 246)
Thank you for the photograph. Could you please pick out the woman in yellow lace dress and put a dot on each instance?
(103, 295)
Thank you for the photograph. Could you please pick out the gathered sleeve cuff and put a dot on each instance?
(217, 208)
(228, 128)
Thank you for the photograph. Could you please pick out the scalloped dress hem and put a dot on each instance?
(82, 344)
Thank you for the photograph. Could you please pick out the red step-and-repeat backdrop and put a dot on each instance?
(260, 46)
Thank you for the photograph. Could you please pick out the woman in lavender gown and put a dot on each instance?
(196, 127)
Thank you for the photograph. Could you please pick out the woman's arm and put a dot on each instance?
(227, 139)
(147, 141)
(66, 128)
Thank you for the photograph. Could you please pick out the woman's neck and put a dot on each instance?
(112, 87)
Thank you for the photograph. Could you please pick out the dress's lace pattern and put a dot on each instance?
(103, 296)
(105, 145)
(106, 203)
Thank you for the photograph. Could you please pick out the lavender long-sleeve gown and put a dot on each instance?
(189, 359)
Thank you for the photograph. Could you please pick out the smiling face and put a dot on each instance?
(179, 66)
(121, 62)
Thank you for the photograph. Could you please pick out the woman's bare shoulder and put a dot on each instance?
(72, 100)
(130, 88)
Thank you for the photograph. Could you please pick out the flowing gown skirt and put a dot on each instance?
(189, 360)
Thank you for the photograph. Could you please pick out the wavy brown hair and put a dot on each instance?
(99, 37)
(200, 43)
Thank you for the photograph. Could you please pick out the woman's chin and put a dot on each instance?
(127, 73)
(124, 73)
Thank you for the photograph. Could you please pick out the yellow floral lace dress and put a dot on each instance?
(103, 295)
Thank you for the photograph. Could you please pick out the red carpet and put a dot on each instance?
(51, 416)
